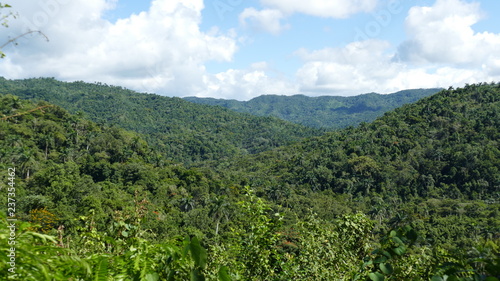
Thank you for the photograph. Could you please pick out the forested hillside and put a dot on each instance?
(426, 160)
(183, 131)
(329, 112)
(412, 196)
(442, 146)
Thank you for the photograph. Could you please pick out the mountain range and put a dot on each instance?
(328, 112)
(412, 195)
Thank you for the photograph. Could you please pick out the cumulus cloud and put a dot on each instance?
(322, 8)
(443, 34)
(245, 84)
(162, 49)
(268, 20)
(368, 66)
(442, 49)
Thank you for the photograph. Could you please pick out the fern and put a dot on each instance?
(101, 272)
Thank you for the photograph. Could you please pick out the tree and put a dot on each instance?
(219, 209)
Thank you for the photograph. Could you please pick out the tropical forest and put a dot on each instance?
(103, 183)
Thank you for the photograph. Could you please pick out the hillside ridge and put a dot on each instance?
(328, 112)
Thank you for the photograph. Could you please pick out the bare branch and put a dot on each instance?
(22, 35)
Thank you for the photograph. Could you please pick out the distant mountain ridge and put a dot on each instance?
(329, 112)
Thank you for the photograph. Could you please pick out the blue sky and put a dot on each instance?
(239, 49)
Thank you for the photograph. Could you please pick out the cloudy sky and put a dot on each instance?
(241, 49)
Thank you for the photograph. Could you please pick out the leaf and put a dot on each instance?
(198, 253)
(397, 241)
(387, 254)
(101, 273)
(375, 276)
(380, 259)
(400, 250)
(386, 268)
(196, 275)
(491, 279)
(224, 274)
(437, 278)
(152, 277)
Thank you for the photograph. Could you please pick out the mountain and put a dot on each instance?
(181, 130)
(446, 145)
(413, 195)
(329, 112)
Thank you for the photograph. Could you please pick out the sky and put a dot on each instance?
(235, 49)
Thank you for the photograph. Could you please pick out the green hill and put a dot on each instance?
(445, 145)
(181, 130)
(413, 195)
(427, 164)
(329, 112)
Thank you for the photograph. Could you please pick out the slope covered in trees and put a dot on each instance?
(183, 131)
(329, 112)
(411, 196)
(442, 146)
(429, 163)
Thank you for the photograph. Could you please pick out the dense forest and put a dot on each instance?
(184, 131)
(327, 112)
(413, 195)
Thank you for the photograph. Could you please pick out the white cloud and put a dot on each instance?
(323, 8)
(163, 49)
(160, 50)
(442, 50)
(244, 84)
(366, 66)
(268, 20)
(443, 34)
(356, 68)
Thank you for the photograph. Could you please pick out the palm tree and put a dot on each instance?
(218, 210)
(28, 162)
(187, 203)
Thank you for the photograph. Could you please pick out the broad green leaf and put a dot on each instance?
(375, 276)
(380, 259)
(198, 253)
(491, 279)
(224, 274)
(386, 268)
(400, 250)
(437, 278)
(397, 240)
(152, 277)
(196, 275)
(387, 254)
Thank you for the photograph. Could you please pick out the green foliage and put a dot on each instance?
(328, 112)
(251, 248)
(382, 264)
(329, 208)
(180, 130)
(314, 249)
(35, 255)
